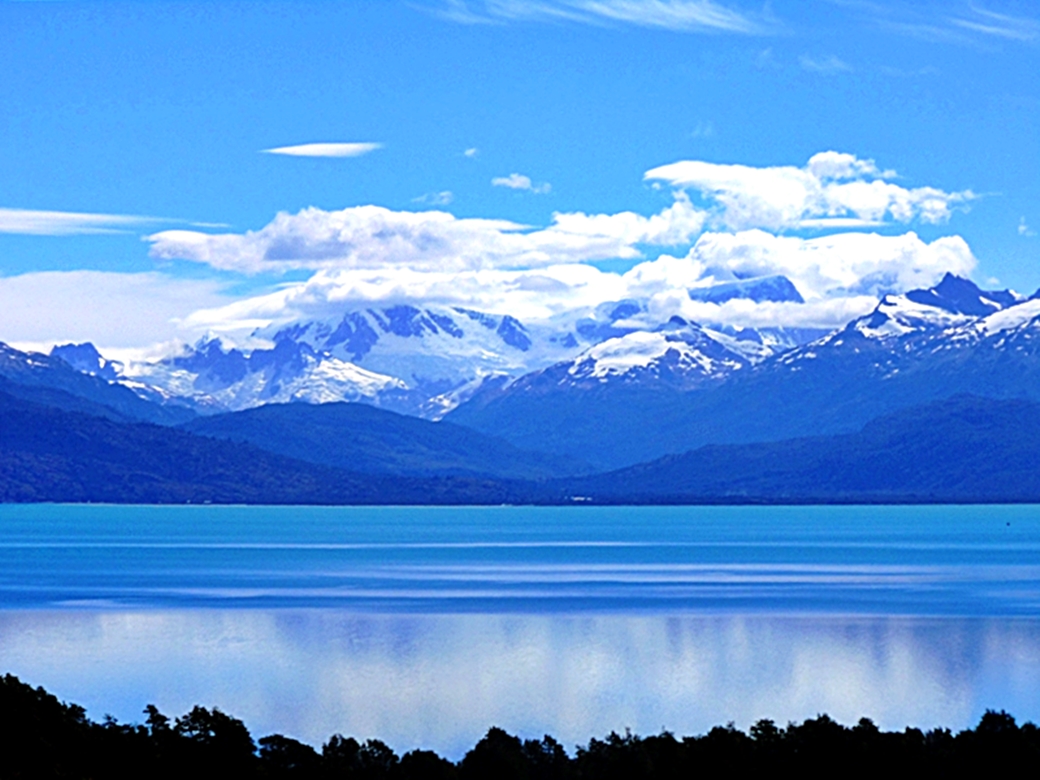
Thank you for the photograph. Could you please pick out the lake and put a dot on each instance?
(424, 626)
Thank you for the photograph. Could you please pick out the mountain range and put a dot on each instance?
(672, 410)
(418, 360)
(912, 349)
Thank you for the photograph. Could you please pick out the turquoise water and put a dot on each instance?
(965, 560)
(423, 626)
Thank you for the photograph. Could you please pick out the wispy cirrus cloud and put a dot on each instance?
(963, 23)
(29, 222)
(325, 149)
(517, 181)
(677, 15)
(1014, 28)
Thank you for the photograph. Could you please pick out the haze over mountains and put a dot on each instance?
(528, 409)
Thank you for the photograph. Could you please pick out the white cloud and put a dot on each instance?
(687, 15)
(835, 265)
(471, 152)
(68, 223)
(532, 295)
(116, 311)
(674, 225)
(825, 65)
(325, 149)
(840, 277)
(829, 313)
(703, 130)
(1015, 28)
(369, 255)
(1024, 229)
(973, 25)
(517, 181)
(832, 185)
(378, 238)
(442, 198)
(678, 15)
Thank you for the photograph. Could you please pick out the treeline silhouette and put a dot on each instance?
(41, 737)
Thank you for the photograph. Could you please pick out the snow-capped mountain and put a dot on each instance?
(912, 349)
(905, 329)
(86, 358)
(51, 380)
(678, 354)
(422, 361)
(432, 349)
(217, 378)
(426, 360)
(776, 288)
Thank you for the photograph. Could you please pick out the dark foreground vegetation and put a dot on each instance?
(41, 737)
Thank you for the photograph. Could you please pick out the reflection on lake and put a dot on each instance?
(425, 626)
(440, 680)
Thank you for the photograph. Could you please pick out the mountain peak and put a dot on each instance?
(958, 295)
(777, 289)
(86, 358)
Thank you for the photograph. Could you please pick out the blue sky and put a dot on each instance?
(163, 110)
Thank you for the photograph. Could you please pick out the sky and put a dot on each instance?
(174, 169)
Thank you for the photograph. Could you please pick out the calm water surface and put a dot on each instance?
(423, 626)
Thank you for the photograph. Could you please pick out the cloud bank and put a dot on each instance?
(120, 312)
(818, 225)
(840, 277)
(374, 237)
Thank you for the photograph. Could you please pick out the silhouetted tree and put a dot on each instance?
(41, 737)
(219, 740)
(546, 759)
(614, 758)
(345, 757)
(498, 755)
(285, 757)
(426, 765)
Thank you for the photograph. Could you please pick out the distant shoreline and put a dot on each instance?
(590, 503)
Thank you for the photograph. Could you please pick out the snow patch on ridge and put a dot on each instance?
(1010, 318)
(618, 355)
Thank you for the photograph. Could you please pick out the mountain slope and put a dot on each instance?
(419, 361)
(47, 454)
(365, 439)
(965, 448)
(50, 373)
(426, 359)
(906, 352)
